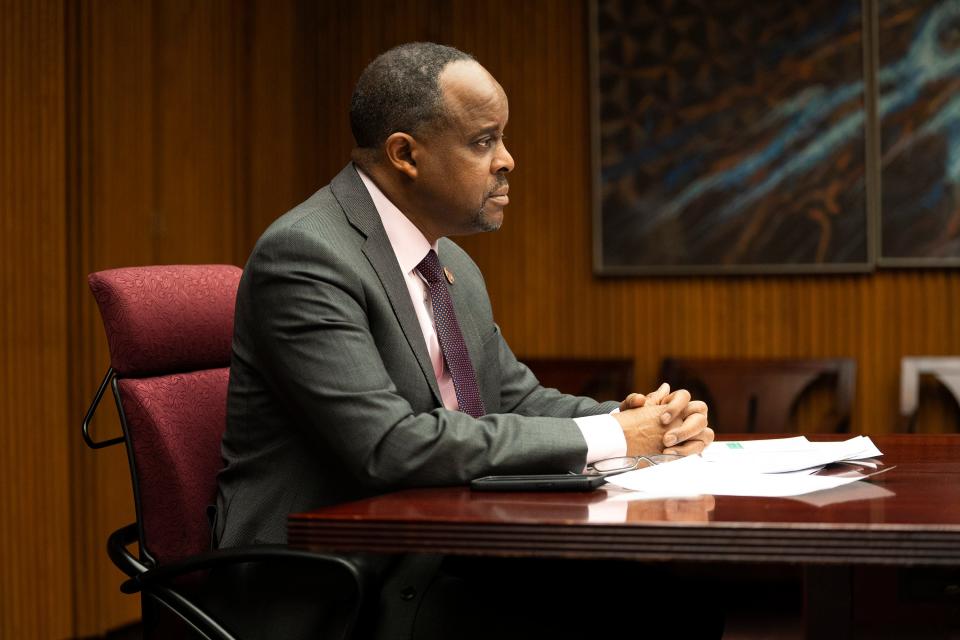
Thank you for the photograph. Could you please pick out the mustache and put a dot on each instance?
(501, 182)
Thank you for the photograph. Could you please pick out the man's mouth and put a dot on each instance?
(500, 195)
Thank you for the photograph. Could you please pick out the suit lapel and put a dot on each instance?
(463, 306)
(358, 206)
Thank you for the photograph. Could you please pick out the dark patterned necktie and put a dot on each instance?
(451, 339)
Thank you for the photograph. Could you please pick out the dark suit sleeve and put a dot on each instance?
(307, 310)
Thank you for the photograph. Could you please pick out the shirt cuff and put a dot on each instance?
(604, 437)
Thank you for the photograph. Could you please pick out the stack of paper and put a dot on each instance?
(780, 455)
(768, 468)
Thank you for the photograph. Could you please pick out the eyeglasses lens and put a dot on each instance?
(615, 464)
(628, 463)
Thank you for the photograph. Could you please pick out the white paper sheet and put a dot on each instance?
(867, 448)
(788, 454)
(768, 445)
(695, 475)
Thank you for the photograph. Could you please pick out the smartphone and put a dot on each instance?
(549, 482)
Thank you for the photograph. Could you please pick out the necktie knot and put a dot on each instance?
(430, 267)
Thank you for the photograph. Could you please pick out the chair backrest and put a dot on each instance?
(601, 379)
(169, 329)
(945, 369)
(760, 395)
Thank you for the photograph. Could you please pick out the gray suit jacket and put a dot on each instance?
(332, 396)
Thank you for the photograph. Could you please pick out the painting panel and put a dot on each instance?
(729, 137)
(918, 107)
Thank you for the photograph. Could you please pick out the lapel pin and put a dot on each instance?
(449, 275)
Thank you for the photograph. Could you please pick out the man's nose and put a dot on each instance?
(503, 162)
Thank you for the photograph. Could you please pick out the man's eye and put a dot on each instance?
(488, 142)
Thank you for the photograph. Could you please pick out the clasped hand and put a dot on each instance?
(664, 422)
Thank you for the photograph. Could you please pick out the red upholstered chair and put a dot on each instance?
(169, 329)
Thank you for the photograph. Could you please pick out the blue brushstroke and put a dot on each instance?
(947, 124)
(678, 174)
(787, 156)
(932, 197)
(796, 46)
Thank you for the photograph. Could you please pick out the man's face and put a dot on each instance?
(462, 163)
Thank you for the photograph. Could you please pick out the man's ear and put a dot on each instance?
(400, 149)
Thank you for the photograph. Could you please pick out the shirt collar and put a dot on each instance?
(408, 242)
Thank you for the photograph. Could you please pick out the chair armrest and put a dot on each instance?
(238, 555)
(120, 555)
(161, 581)
(143, 576)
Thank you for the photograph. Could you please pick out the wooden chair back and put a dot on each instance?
(600, 379)
(760, 395)
(945, 369)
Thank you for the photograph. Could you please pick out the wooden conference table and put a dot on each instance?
(909, 516)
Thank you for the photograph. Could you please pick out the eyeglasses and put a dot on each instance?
(612, 466)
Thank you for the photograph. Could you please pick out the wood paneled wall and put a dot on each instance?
(138, 132)
(34, 444)
(155, 161)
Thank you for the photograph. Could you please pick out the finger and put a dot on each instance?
(695, 406)
(688, 448)
(694, 445)
(657, 396)
(707, 435)
(633, 401)
(676, 402)
(689, 428)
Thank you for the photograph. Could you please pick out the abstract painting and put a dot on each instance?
(729, 137)
(918, 107)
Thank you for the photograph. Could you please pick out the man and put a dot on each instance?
(365, 355)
